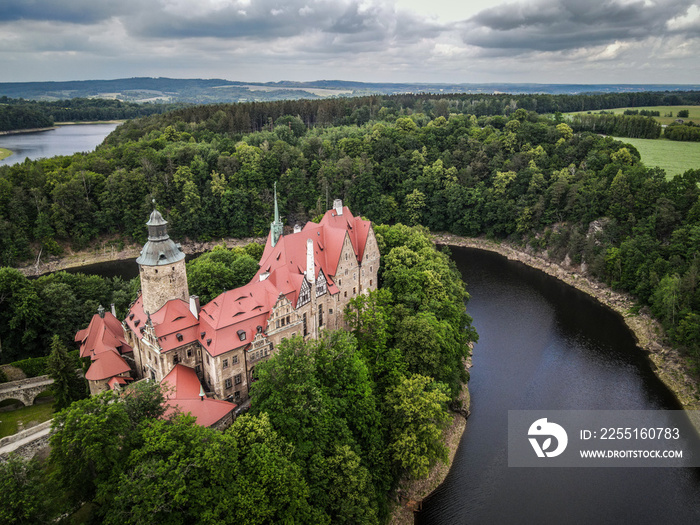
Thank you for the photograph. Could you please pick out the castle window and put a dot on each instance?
(207, 359)
(320, 315)
(305, 329)
(234, 360)
(189, 352)
(224, 363)
(176, 359)
(354, 290)
(198, 369)
(237, 379)
(287, 319)
(228, 384)
(237, 395)
(370, 282)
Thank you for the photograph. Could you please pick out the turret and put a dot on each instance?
(276, 227)
(162, 266)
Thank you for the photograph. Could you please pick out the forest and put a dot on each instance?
(520, 176)
(27, 114)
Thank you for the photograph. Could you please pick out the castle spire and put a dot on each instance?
(276, 228)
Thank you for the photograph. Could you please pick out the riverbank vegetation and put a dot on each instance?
(4, 153)
(18, 113)
(334, 423)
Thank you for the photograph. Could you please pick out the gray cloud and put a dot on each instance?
(71, 11)
(557, 25)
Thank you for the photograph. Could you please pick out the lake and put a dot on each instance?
(64, 140)
(544, 345)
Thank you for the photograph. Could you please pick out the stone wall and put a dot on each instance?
(27, 442)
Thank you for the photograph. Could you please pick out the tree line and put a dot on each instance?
(686, 132)
(632, 126)
(16, 114)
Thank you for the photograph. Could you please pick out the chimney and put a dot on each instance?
(264, 275)
(310, 273)
(194, 305)
(297, 228)
(202, 395)
(114, 310)
(101, 311)
(338, 206)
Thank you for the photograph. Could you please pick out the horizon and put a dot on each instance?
(609, 42)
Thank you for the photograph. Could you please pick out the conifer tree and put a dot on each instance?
(67, 386)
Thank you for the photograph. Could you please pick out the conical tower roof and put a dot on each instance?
(160, 248)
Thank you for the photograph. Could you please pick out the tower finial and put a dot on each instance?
(276, 228)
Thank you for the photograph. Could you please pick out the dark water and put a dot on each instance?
(126, 268)
(64, 140)
(544, 345)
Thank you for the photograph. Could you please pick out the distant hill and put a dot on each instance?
(146, 89)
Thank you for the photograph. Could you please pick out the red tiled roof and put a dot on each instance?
(102, 334)
(119, 380)
(183, 395)
(244, 309)
(172, 319)
(105, 365)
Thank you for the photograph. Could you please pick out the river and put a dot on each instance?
(64, 140)
(544, 345)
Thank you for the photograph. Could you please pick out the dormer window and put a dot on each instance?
(137, 322)
(202, 334)
(179, 337)
(208, 342)
(241, 335)
(131, 317)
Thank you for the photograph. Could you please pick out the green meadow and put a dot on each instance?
(693, 112)
(673, 156)
(4, 153)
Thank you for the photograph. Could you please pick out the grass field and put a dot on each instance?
(4, 153)
(29, 416)
(674, 157)
(694, 112)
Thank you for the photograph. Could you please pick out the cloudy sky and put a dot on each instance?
(545, 41)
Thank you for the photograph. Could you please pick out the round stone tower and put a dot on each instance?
(162, 267)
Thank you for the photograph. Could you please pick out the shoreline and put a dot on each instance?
(57, 124)
(410, 493)
(29, 130)
(669, 365)
(108, 253)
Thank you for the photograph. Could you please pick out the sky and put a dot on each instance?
(445, 41)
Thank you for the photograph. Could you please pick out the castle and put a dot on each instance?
(305, 280)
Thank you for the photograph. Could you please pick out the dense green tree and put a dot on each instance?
(67, 385)
(418, 415)
(25, 496)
